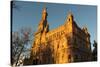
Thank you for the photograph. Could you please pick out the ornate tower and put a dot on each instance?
(69, 22)
(39, 39)
(43, 25)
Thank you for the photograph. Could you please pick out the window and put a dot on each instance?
(69, 19)
(76, 58)
(69, 58)
(57, 46)
(75, 41)
(68, 39)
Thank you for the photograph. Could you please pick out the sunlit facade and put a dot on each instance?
(64, 44)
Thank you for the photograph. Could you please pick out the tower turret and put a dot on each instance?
(43, 22)
(44, 14)
(70, 17)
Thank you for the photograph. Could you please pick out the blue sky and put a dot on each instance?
(28, 14)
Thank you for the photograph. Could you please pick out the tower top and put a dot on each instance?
(85, 30)
(43, 24)
(44, 10)
(44, 13)
(70, 17)
(70, 14)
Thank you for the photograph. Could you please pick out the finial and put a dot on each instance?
(44, 7)
(70, 13)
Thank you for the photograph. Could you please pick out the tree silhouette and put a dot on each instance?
(94, 53)
(19, 43)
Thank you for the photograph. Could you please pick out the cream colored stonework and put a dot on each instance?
(65, 44)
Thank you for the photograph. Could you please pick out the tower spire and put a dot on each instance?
(44, 13)
(43, 22)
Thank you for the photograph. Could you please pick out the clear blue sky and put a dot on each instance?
(28, 14)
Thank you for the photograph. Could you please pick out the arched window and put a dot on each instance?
(69, 19)
(69, 58)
